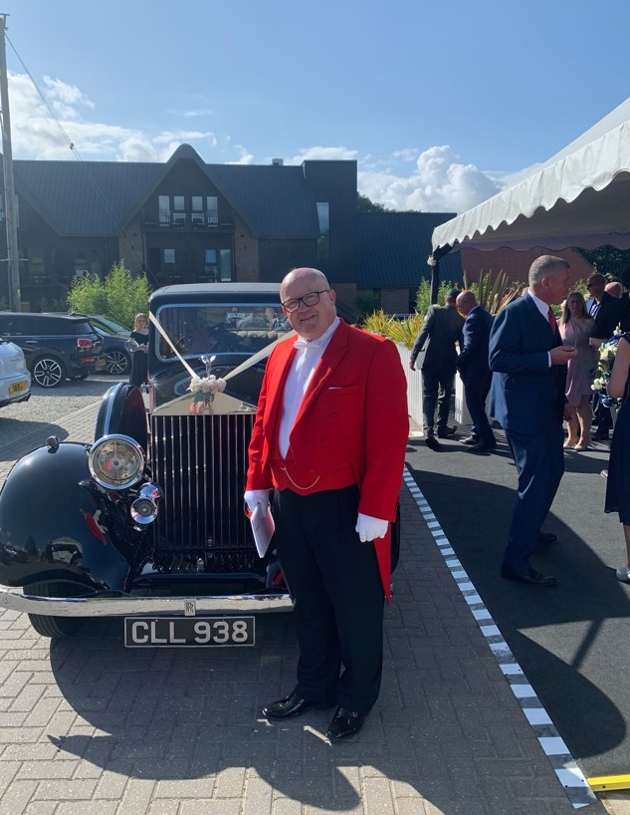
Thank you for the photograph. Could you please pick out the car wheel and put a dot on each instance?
(47, 626)
(49, 372)
(117, 362)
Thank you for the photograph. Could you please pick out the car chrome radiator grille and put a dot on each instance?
(200, 462)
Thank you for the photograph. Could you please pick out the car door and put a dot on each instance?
(23, 331)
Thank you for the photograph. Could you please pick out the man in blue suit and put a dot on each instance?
(527, 398)
(474, 370)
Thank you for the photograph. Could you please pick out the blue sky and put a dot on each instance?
(441, 103)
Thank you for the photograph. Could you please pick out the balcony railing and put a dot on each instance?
(173, 221)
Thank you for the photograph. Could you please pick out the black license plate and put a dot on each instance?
(188, 632)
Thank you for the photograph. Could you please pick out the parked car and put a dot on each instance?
(56, 346)
(115, 337)
(147, 522)
(15, 378)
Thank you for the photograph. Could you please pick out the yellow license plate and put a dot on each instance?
(17, 387)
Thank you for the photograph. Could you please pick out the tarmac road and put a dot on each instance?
(49, 405)
(571, 641)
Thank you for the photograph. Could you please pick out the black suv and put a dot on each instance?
(56, 346)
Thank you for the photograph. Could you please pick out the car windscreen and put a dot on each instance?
(219, 329)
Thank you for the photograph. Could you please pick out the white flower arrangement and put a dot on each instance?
(605, 361)
(206, 385)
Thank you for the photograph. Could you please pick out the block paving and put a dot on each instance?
(88, 727)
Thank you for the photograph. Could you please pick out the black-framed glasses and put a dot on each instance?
(310, 299)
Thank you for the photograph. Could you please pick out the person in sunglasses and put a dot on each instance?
(327, 449)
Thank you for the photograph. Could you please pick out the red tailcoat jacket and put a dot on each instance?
(352, 427)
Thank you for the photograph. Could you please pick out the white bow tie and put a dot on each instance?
(306, 344)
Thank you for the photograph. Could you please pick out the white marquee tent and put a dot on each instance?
(580, 197)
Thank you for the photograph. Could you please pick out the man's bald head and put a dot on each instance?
(466, 301)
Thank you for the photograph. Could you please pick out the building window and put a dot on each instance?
(212, 209)
(179, 210)
(164, 206)
(169, 257)
(323, 216)
(210, 267)
(81, 265)
(226, 265)
(197, 214)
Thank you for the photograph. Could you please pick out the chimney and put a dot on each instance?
(277, 162)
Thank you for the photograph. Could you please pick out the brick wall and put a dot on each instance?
(131, 246)
(245, 253)
(516, 264)
(395, 301)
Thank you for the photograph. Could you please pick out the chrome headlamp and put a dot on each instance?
(116, 462)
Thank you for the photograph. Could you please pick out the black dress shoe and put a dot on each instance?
(546, 537)
(470, 440)
(529, 576)
(603, 436)
(292, 706)
(432, 443)
(345, 723)
(480, 447)
(445, 432)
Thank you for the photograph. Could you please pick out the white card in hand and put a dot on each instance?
(263, 527)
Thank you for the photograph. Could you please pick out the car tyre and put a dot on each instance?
(47, 626)
(117, 363)
(49, 372)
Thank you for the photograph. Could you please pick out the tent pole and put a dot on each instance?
(433, 262)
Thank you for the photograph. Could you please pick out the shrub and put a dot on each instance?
(119, 296)
(493, 294)
(403, 331)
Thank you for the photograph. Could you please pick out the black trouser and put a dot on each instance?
(476, 390)
(336, 586)
(437, 389)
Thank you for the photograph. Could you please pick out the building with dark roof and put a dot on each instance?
(185, 221)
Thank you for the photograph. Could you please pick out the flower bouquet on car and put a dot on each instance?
(204, 388)
(605, 361)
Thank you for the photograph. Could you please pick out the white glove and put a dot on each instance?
(255, 497)
(369, 528)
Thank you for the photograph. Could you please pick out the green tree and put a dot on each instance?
(119, 296)
(423, 294)
(365, 204)
(607, 260)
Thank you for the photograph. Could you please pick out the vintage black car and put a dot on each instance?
(147, 522)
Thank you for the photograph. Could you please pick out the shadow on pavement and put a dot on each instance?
(566, 639)
(176, 715)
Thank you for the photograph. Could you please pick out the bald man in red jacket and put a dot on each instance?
(329, 444)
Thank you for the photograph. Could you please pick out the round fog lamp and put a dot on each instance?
(116, 462)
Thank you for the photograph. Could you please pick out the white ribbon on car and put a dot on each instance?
(249, 362)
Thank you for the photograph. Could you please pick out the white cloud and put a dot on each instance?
(322, 154)
(191, 114)
(439, 183)
(38, 133)
(434, 180)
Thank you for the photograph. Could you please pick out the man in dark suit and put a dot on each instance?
(440, 330)
(473, 367)
(329, 438)
(527, 398)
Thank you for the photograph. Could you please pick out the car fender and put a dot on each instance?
(52, 526)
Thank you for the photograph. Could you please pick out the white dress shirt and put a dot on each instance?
(302, 369)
